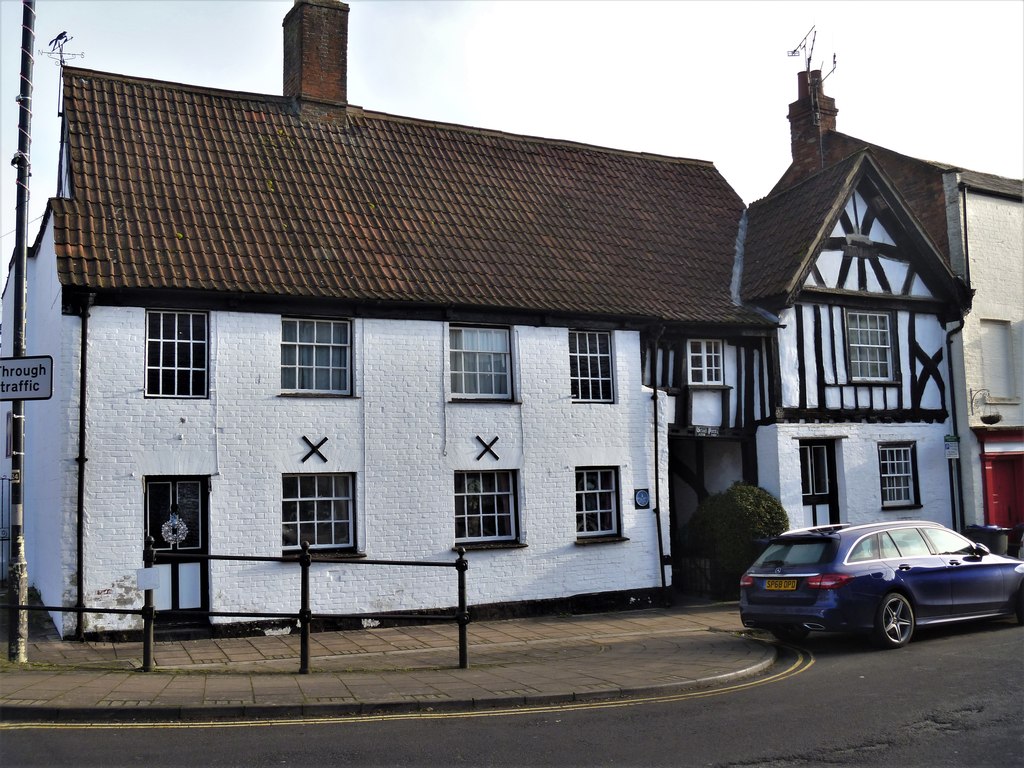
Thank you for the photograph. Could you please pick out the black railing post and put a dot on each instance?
(148, 612)
(304, 613)
(461, 565)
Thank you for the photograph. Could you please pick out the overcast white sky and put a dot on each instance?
(688, 78)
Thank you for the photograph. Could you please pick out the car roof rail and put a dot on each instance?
(819, 529)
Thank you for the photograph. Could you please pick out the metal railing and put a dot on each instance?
(305, 560)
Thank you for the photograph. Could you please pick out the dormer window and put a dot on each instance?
(869, 344)
(704, 362)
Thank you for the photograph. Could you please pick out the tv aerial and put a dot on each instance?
(805, 48)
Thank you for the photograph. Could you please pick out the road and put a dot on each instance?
(953, 697)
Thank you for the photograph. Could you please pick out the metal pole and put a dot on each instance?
(461, 564)
(148, 613)
(17, 639)
(304, 613)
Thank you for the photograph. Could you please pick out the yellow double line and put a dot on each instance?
(804, 661)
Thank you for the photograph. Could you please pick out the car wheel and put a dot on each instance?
(790, 633)
(894, 621)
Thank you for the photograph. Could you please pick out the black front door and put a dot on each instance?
(176, 519)
(818, 478)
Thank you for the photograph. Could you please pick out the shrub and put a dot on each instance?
(726, 528)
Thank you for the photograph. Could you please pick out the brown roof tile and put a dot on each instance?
(919, 182)
(785, 229)
(183, 187)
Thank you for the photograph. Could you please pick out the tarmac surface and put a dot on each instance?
(515, 662)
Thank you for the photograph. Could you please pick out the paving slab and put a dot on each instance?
(515, 662)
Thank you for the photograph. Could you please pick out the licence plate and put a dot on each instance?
(780, 585)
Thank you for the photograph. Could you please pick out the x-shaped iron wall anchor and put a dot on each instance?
(487, 448)
(313, 449)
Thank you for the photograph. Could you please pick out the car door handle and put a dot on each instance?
(904, 567)
(954, 562)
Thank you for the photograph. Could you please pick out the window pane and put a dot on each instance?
(590, 366)
(480, 362)
(315, 355)
(317, 508)
(869, 345)
(484, 506)
(896, 472)
(705, 361)
(176, 354)
(597, 511)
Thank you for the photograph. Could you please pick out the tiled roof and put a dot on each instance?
(919, 182)
(785, 229)
(997, 185)
(179, 187)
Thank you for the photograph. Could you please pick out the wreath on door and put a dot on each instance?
(174, 530)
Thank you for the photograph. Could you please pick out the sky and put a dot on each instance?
(940, 80)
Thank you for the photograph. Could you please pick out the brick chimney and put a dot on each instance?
(811, 117)
(315, 51)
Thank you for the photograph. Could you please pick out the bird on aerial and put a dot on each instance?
(58, 40)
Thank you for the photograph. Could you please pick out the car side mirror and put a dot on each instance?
(980, 550)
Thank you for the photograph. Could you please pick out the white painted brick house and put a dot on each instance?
(286, 319)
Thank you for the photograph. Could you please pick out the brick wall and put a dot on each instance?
(401, 436)
(778, 455)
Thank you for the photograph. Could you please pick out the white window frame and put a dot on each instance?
(480, 360)
(316, 355)
(591, 368)
(870, 350)
(705, 362)
(168, 375)
(486, 506)
(897, 474)
(814, 470)
(318, 508)
(598, 503)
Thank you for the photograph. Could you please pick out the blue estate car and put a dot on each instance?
(882, 579)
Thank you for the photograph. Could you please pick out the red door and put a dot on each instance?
(1004, 489)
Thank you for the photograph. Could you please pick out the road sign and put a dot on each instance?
(26, 378)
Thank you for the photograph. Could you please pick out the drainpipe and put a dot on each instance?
(657, 462)
(81, 459)
(956, 486)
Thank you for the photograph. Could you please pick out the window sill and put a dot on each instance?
(323, 395)
(340, 553)
(576, 401)
(711, 387)
(471, 546)
(588, 540)
(484, 401)
(902, 507)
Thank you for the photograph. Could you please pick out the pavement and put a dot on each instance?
(512, 663)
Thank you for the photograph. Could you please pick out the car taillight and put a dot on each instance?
(746, 580)
(828, 581)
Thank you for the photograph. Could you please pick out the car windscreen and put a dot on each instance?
(803, 551)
